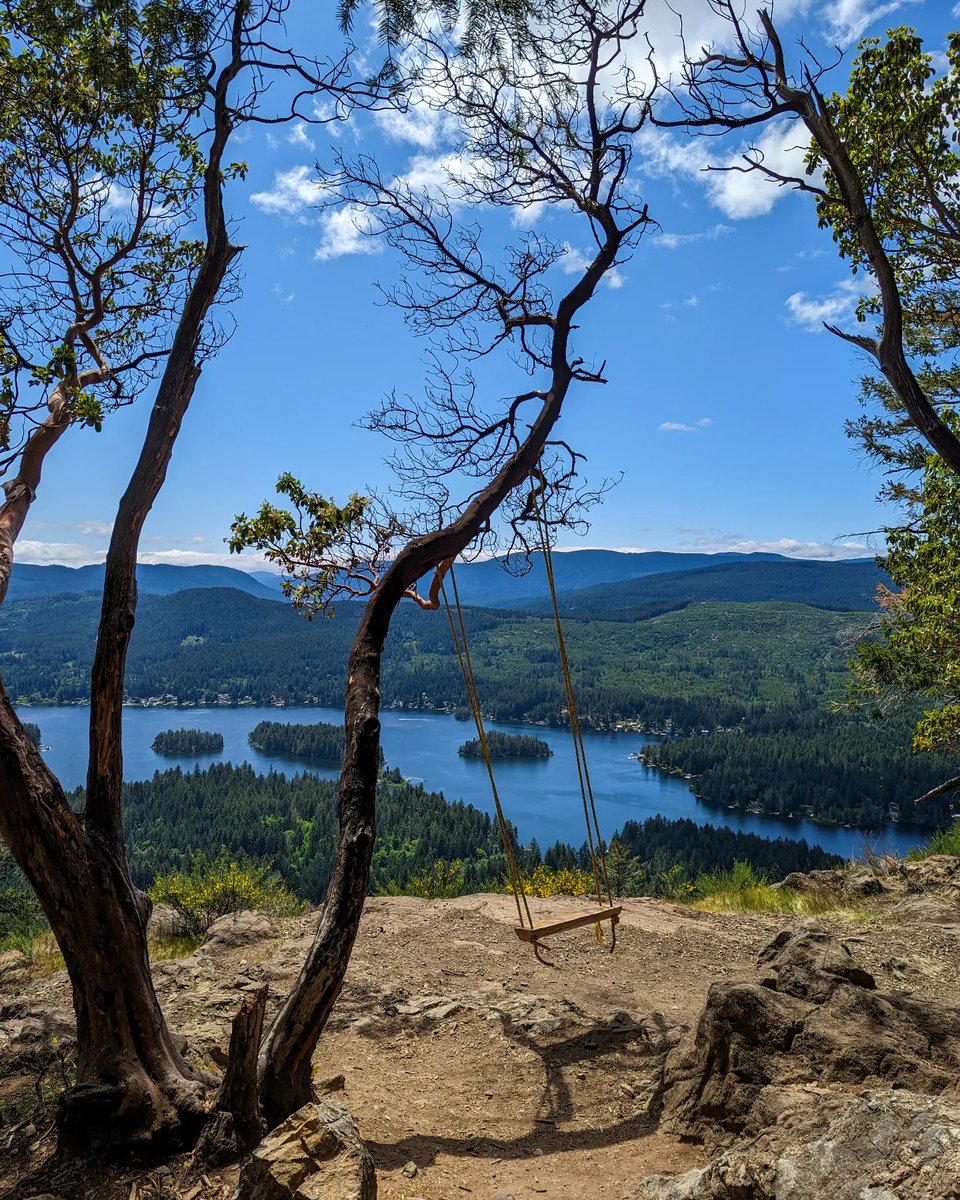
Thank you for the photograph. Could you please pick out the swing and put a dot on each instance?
(529, 930)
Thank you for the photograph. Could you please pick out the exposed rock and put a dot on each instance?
(836, 884)
(813, 882)
(814, 1016)
(166, 922)
(316, 1154)
(31, 1034)
(937, 873)
(239, 929)
(891, 1145)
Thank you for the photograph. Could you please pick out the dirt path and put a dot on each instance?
(475, 1070)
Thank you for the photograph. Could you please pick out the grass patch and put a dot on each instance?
(179, 946)
(741, 889)
(44, 955)
(780, 901)
(945, 841)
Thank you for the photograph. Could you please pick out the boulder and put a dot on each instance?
(814, 882)
(165, 922)
(892, 1145)
(239, 929)
(316, 1154)
(32, 1035)
(937, 873)
(813, 1016)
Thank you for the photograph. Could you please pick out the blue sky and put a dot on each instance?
(725, 403)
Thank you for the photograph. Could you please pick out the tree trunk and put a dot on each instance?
(286, 1059)
(286, 1076)
(133, 1088)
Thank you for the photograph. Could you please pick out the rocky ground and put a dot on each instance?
(710, 1057)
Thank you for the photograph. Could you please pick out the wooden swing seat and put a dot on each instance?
(543, 929)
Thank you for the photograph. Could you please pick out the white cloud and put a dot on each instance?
(420, 124)
(837, 306)
(690, 302)
(345, 231)
(282, 294)
(670, 241)
(96, 528)
(70, 554)
(738, 194)
(297, 136)
(294, 192)
(680, 427)
(575, 262)
(204, 558)
(794, 548)
(847, 20)
(528, 215)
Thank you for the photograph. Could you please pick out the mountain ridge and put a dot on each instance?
(487, 583)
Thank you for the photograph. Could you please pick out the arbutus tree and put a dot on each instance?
(553, 125)
(125, 117)
(903, 238)
(884, 171)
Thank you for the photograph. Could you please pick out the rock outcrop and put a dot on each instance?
(812, 1016)
(316, 1154)
(890, 1145)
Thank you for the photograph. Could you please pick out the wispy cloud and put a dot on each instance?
(671, 241)
(738, 192)
(346, 231)
(848, 20)
(576, 261)
(294, 193)
(795, 548)
(681, 427)
(297, 136)
(837, 306)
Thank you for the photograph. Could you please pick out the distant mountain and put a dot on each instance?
(161, 579)
(838, 586)
(589, 579)
(489, 583)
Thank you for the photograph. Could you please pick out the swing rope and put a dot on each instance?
(466, 666)
(598, 856)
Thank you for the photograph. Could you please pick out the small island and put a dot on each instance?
(33, 733)
(181, 743)
(507, 745)
(323, 741)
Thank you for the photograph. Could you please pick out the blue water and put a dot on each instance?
(541, 797)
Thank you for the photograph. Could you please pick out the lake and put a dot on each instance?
(541, 797)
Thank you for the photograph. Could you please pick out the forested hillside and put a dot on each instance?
(292, 823)
(703, 666)
(763, 670)
(794, 762)
(843, 586)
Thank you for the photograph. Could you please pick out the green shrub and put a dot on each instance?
(441, 881)
(211, 888)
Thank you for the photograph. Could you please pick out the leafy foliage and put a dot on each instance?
(440, 881)
(917, 650)
(558, 881)
(98, 174)
(208, 888)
